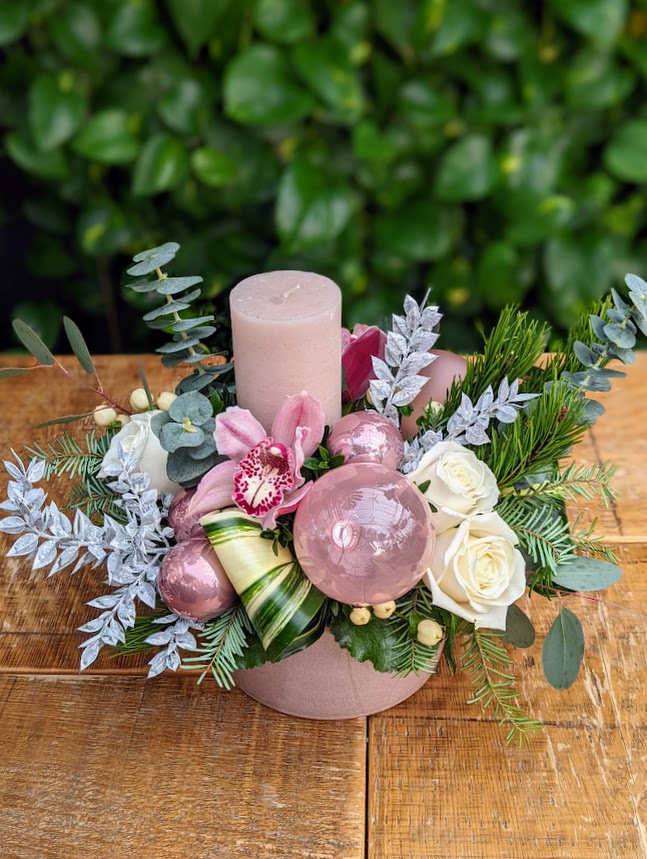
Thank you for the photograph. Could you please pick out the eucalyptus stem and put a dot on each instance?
(178, 318)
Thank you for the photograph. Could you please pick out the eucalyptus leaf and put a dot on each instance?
(32, 342)
(67, 419)
(563, 650)
(148, 261)
(78, 345)
(519, 631)
(10, 372)
(587, 574)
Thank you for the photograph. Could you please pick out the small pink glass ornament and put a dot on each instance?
(441, 373)
(364, 534)
(367, 437)
(181, 521)
(192, 583)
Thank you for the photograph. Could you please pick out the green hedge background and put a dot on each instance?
(491, 149)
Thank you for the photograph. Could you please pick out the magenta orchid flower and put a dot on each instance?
(263, 475)
(358, 350)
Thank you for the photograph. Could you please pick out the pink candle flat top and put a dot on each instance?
(286, 296)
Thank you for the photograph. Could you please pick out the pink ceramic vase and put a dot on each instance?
(325, 682)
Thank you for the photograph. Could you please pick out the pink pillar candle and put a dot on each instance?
(286, 331)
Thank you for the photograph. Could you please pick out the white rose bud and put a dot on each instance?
(104, 415)
(360, 616)
(384, 610)
(165, 400)
(429, 632)
(139, 400)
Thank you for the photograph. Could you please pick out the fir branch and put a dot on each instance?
(487, 664)
(575, 483)
(221, 644)
(135, 636)
(542, 529)
(66, 455)
(587, 543)
(409, 655)
(94, 497)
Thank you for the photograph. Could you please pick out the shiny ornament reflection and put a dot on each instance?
(192, 582)
(441, 373)
(367, 437)
(183, 524)
(364, 534)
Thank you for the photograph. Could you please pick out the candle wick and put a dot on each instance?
(290, 291)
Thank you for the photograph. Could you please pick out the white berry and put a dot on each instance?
(139, 400)
(360, 616)
(123, 419)
(165, 400)
(429, 632)
(384, 610)
(104, 416)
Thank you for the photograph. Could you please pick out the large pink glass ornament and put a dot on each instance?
(183, 524)
(192, 583)
(364, 534)
(367, 437)
(441, 373)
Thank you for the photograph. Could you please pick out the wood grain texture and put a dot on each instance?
(91, 769)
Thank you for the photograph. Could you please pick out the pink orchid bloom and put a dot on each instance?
(358, 350)
(263, 474)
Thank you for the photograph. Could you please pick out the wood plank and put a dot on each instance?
(437, 764)
(90, 769)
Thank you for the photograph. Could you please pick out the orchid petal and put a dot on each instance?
(357, 360)
(214, 490)
(300, 411)
(237, 432)
(299, 455)
(290, 503)
(263, 477)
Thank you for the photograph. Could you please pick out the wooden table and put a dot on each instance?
(106, 764)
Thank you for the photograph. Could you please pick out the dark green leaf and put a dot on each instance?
(311, 207)
(374, 642)
(104, 230)
(599, 20)
(284, 21)
(78, 345)
(32, 342)
(324, 66)
(213, 168)
(587, 574)
(422, 231)
(161, 165)
(625, 153)
(499, 279)
(44, 165)
(259, 89)
(593, 82)
(14, 17)
(462, 22)
(563, 650)
(519, 631)
(107, 137)
(56, 110)
(195, 20)
(76, 29)
(134, 29)
(184, 106)
(468, 170)
(426, 105)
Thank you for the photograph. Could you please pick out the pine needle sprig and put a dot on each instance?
(575, 483)
(221, 644)
(66, 455)
(488, 667)
(94, 498)
(136, 635)
(542, 529)
(409, 654)
(587, 543)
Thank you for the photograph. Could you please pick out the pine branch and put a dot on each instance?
(136, 635)
(586, 543)
(94, 498)
(65, 455)
(543, 530)
(574, 483)
(409, 655)
(221, 644)
(487, 664)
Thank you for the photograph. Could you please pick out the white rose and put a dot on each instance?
(460, 485)
(137, 435)
(476, 571)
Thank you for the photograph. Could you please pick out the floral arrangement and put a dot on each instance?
(409, 526)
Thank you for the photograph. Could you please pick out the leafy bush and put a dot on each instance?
(491, 149)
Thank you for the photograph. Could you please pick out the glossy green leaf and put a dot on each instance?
(370, 143)
(374, 642)
(626, 153)
(260, 90)
(594, 83)
(78, 345)
(135, 29)
(463, 22)
(107, 137)
(311, 207)
(284, 21)
(213, 168)
(14, 17)
(162, 164)
(76, 29)
(498, 276)
(56, 110)
(468, 170)
(195, 20)
(44, 165)
(587, 574)
(425, 104)
(599, 20)
(563, 650)
(32, 342)
(423, 231)
(104, 230)
(184, 106)
(324, 66)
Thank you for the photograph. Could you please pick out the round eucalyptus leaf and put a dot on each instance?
(148, 261)
(174, 436)
(194, 406)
